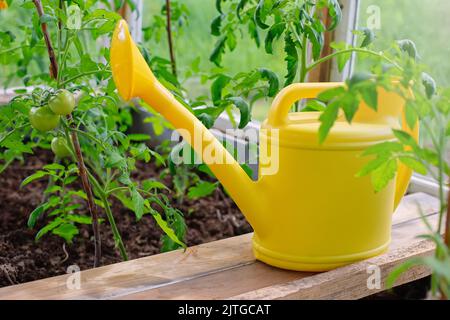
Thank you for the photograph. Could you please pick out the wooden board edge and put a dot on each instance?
(349, 282)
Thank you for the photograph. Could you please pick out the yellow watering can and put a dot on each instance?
(311, 213)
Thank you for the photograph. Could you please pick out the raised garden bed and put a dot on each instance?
(22, 259)
(226, 269)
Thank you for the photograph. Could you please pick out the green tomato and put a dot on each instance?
(43, 119)
(62, 103)
(60, 148)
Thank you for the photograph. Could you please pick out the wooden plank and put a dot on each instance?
(252, 277)
(141, 274)
(349, 282)
(220, 269)
(413, 204)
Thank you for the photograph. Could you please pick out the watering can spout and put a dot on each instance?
(134, 79)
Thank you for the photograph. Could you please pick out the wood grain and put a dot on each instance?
(348, 281)
(227, 269)
(141, 274)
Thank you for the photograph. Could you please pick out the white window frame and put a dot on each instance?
(134, 20)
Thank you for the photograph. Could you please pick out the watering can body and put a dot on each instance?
(308, 210)
(321, 215)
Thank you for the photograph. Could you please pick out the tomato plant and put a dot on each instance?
(429, 105)
(94, 155)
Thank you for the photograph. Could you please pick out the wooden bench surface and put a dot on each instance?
(226, 269)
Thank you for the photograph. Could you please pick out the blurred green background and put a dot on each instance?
(424, 22)
(427, 23)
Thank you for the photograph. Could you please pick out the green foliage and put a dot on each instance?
(100, 121)
(429, 32)
(298, 23)
(424, 102)
(62, 202)
(202, 189)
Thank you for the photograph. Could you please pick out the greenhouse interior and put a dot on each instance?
(213, 150)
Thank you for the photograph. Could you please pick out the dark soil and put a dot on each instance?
(22, 259)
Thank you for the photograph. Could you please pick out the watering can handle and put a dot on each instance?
(278, 116)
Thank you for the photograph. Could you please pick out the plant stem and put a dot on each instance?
(303, 41)
(12, 131)
(84, 74)
(170, 38)
(104, 197)
(48, 43)
(20, 47)
(351, 50)
(304, 68)
(76, 144)
(90, 136)
(88, 190)
(117, 237)
(6, 165)
(61, 6)
(447, 228)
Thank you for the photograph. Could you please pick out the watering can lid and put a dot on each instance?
(301, 131)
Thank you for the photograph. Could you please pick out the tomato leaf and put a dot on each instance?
(369, 94)
(49, 227)
(240, 7)
(33, 177)
(273, 34)
(201, 190)
(327, 119)
(138, 203)
(410, 115)
(429, 84)
(219, 50)
(79, 219)
(66, 231)
(167, 230)
(369, 37)
(384, 174)
(274, 83)
(405, 138)
(217, 87)
(244, 109)
(291, 58)
(215, 25)
(35, 215)
(260, 14)
(335, 13)
(414, 164)
(408, 47)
